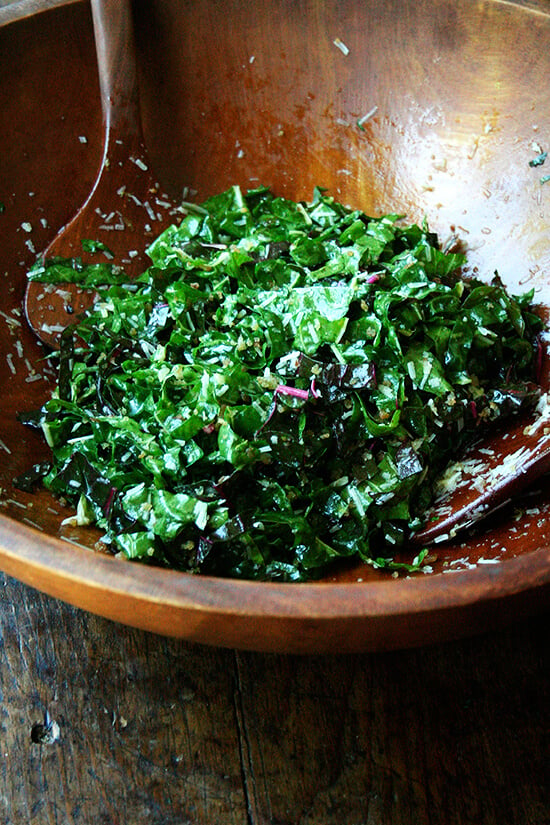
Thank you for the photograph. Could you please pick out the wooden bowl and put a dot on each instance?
(424, 108)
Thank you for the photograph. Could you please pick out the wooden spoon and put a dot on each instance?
(488, 477)
(125, 209)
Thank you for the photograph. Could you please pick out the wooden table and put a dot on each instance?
(156, 731)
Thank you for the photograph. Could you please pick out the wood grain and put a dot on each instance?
(18, 9)
(145, 724)
(429, 736)
(160, 732)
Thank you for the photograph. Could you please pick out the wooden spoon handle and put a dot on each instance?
(116, 56)
(488, 478)
(125, 208)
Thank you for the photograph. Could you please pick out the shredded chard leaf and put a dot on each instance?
(279, 390)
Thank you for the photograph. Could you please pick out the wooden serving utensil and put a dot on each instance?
(125, 209)
(487, 478)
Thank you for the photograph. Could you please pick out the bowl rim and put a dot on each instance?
(35, 555)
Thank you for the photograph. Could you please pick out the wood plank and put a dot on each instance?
(154, 730)
(146, 732)
(452, 734)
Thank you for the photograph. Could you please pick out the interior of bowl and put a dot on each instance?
(429, 109)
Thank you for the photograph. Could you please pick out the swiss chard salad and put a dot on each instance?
(279, 390)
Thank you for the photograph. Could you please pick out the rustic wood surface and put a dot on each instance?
(152, 730)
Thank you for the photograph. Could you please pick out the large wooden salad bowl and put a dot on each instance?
(426, 109)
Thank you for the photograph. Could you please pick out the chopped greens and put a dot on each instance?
(95, 246)
(278, 391)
